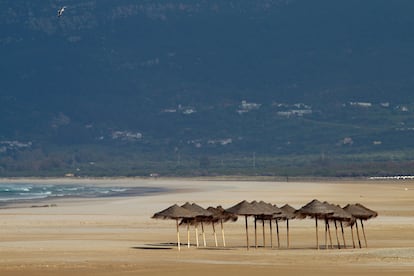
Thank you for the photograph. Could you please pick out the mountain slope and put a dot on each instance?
(161, 76)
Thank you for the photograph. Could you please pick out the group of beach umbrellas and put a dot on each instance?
(347, 215)
(191, 214)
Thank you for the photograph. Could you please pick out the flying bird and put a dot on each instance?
(60, 11)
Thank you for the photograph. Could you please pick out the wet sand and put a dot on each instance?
(116, 236)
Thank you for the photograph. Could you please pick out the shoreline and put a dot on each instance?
(167, 185)
(115, 190)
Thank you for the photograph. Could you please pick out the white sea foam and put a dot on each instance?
(118, 190)
(24, 191)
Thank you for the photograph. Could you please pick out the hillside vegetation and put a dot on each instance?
(271, 87)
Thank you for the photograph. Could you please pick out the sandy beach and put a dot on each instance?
(116, 236)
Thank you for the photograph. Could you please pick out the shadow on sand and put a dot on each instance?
(156, 246)
(169, 246)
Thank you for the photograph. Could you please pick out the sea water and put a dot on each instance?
(16, 192)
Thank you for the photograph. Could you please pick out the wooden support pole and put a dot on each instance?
(204, 234)
(215, 234)
(287, 234)
(359, 240)
(326, 234)
(352, 233)
(196, 233)
(264, 234)
(178, 236)
(363, 232)
(255, 232)
(277, 233)
(247, 233)
(343, 234)
(317, 236)
(329, 232)
(336, 233)
(222, 233)
(271, 233)
(188, 234)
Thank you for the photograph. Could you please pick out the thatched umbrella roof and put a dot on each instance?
(218, 213)
(359, 211)
(318, 210)
(342, 216)
(288, 211)
(315, 209)
(200, 215)
(265, 210)
(197, 210)
(245, 209)
(338, 213)
(242, 208)
(281, 214)
(374, 214)
(173, 212)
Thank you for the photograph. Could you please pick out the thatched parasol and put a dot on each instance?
(174, 212)
(219, 214)
(245, 209)
(339, 215)
(318, 210)
(359, 211)
(199, 216)
(264, 211)
(327, 226)
(279, 214)
(289, 212)
(267, 211)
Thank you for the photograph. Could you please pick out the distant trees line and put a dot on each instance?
(89, 161)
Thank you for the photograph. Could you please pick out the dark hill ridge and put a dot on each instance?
(167, 78)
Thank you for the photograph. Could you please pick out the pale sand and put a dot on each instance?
(116, 236)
